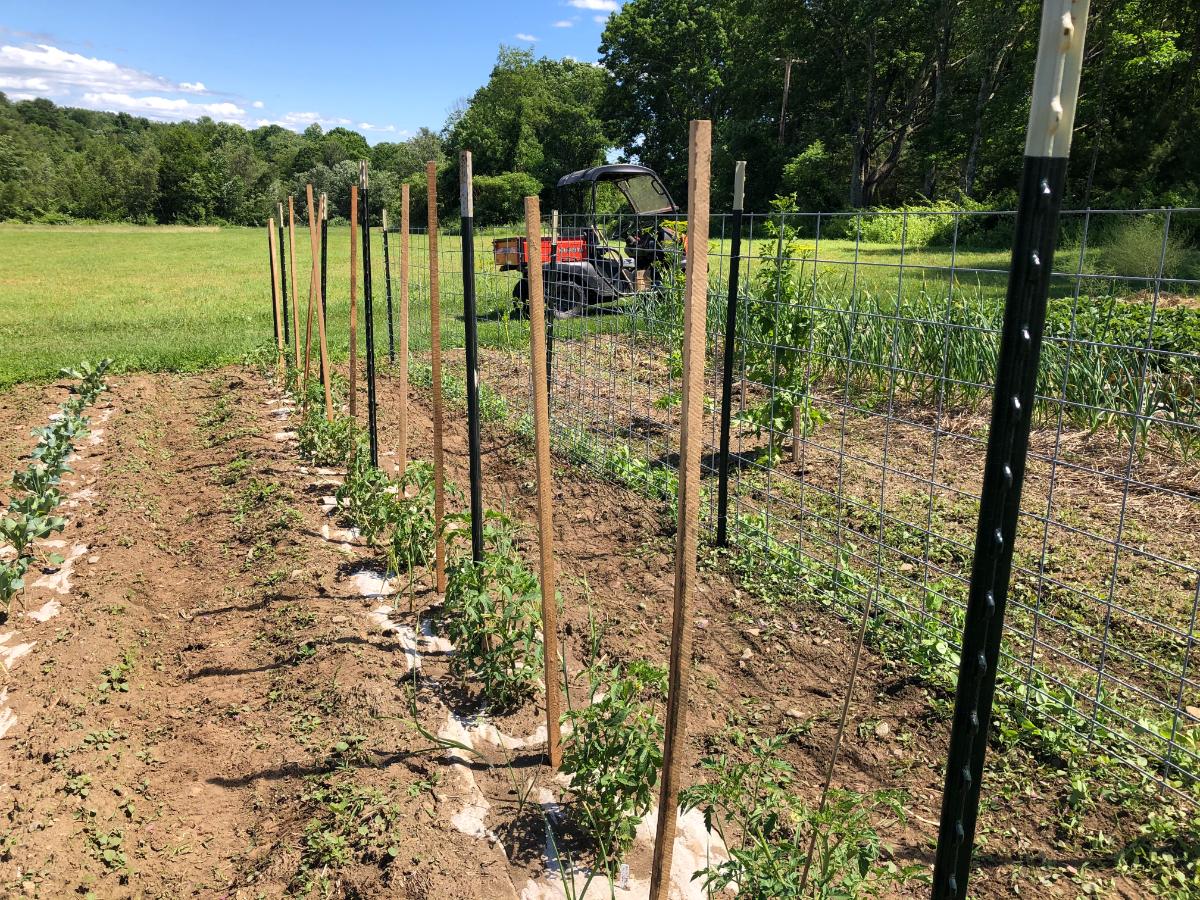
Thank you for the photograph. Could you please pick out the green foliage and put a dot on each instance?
(536, 116)
(754, 804)
(1136, 248)
(613, 753)
(492, 615)
(34, 490)
(778, 331)
(326, 442)
(500, 199)
(350, 823)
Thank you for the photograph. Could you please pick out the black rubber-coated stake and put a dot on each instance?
(552, 293)
(466, 203)
(324, 253)
(387, 284)
(283, 277)
(369, 312)
(271, 269)
(1055, 90)
(324, 260)
(735, 259)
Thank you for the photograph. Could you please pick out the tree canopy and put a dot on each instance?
(887, 103)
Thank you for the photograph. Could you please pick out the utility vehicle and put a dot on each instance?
(581, 268)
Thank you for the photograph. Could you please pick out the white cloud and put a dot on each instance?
(564, 23)
(72, 79)
(600, 19)
(522, 36)
(157, 107)
(63, 72)
(602, 5)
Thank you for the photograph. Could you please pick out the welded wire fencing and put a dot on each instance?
(865, 345)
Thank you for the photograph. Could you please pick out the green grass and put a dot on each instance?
(184, 299)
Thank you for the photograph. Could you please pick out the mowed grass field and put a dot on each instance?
(182, 299)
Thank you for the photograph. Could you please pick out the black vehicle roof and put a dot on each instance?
(605, 173)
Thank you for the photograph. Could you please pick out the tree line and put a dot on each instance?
(844, 103)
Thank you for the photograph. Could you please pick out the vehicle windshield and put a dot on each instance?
(646, 195)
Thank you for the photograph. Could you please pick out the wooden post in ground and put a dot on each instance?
(435, 341)
(353, 299)
(278, 305)
(541, 432)
(314, 276)
(325, 373)
(691, 439)
(402, 446)
(295, 299)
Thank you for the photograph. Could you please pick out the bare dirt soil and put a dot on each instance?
(217, 689)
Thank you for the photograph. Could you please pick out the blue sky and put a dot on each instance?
(406, 65)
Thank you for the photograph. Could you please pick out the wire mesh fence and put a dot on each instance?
(864, 351)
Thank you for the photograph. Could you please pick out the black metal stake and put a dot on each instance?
(324, 260)
(1055, 89)
(387, 283)
(472, 338)
(735, 258)
(550, 317)
(372, 425)
(274, 310)
(283, 277)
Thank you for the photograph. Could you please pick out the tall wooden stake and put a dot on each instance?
(314, 276)
(402, 446)
(353, 299)
(541, 431)
(275, 294)
(435, 341)
(295, 299)
(322, 216)
(691, 439)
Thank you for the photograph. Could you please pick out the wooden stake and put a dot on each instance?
(541, 431)
(691, 439)
(402, 447)
(325, 373)
(353, 299)
(275, 292)
(314, 277)
(435, 340)
(295, 299)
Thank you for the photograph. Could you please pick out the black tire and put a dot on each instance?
(569, 301)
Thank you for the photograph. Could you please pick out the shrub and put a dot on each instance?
(1136, 248)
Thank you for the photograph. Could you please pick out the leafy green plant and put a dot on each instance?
(779, 328)
(324, 442)
(35, 494)
(613, 753)
(350, 822)
(492, 614)
(753, 803)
